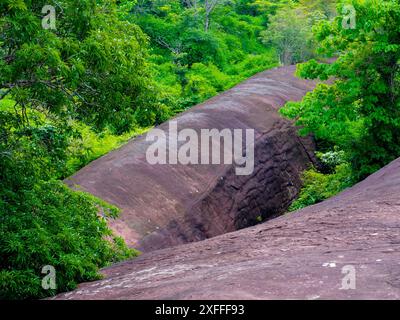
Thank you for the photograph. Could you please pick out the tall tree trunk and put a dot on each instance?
(206, 23)
(209, 6)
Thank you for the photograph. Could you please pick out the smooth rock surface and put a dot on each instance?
(297, 256)
(168, 205)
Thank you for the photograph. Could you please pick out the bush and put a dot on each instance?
(49, 224)
(88, 145)
(253, 64)
(319, 187)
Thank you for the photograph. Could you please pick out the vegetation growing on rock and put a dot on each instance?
(359, 113)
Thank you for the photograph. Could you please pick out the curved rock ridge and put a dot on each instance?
(167, 205)
(346, 247)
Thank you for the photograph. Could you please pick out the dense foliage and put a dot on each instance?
(359, 111)
(47, 224)
(333, 176)
(200, 48)
(91, 69)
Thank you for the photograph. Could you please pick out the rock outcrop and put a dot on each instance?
(167, 205)
(345, 247)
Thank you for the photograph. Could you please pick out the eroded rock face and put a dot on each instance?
(167, 205)
(347, 247)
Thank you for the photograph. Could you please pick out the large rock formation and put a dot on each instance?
(166, 205)
(346, 247)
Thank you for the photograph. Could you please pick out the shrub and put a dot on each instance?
(88, 145)
(49, 224)
(318, 186)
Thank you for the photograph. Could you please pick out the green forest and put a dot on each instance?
(108, 71)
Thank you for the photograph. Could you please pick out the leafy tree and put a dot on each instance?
(209, 7)
(290, 32)
(360, 111)
(91, 69)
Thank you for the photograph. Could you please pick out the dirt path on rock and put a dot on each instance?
(167, 205)
(296, 256)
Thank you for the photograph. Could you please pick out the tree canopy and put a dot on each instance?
(360, 111)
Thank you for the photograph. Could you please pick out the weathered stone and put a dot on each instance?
(304, 255)
(167, 205)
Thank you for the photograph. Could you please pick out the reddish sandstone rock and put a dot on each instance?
(296, 256)
(167, 205)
